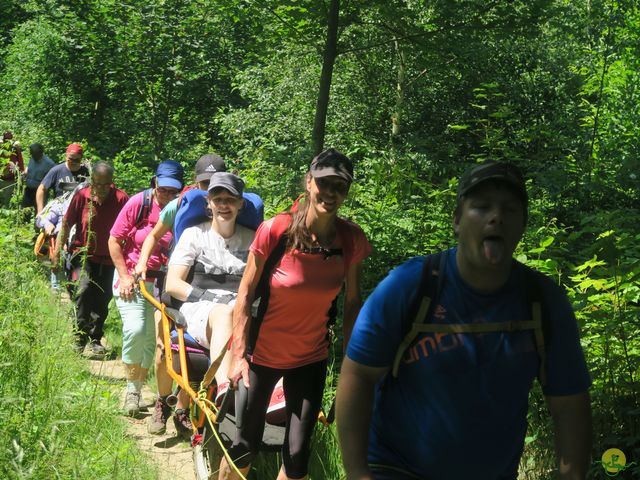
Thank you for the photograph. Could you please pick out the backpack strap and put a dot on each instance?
(346, 251)
(277, 233)
(422, 308)
(539, 322)
(145, 208)
(429, 291)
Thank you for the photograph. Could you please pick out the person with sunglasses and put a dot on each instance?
(205, 167)
(134, 223)
(319, 252)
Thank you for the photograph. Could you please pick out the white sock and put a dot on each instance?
(134, 386)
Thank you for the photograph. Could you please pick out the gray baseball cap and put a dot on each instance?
(233, 183)
(332, 163)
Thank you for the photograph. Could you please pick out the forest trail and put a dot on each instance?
(171, 454)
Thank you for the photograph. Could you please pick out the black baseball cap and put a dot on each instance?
(332, 163)
(207, 165)
(492, 170)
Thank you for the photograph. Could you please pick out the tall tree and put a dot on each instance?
(328, 60)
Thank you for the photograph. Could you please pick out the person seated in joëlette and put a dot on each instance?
(217, 250)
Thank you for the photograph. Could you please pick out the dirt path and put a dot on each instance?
(168, 452)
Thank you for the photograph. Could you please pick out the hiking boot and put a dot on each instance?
(97, 350)
(182, 423)
(132, 404)
(158, 421)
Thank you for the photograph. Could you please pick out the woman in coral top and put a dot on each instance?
(291, 338)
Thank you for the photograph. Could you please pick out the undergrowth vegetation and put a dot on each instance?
(57, 421)
(419, 91)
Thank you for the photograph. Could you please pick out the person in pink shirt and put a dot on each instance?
(290, 339)
(133, 224)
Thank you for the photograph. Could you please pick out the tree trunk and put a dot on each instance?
(396, 116)
(328, 60)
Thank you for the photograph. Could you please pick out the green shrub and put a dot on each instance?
(57, 420)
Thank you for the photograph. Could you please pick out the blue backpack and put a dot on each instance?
(192, 210)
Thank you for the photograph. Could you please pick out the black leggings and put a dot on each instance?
(303, 388)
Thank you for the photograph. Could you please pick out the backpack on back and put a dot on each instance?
(192, 210)
(57, 207)
(428, 293)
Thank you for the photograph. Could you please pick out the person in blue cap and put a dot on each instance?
(133, 225)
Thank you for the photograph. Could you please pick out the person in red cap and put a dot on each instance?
(11, 163)
(72, 171)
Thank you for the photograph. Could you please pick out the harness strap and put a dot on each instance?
(542, 332)
(428, 291)
(536, 312)
(512, 326)
(429, 288)
(415, 329)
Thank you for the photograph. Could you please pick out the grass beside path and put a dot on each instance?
(56, 420)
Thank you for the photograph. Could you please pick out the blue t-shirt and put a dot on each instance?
(458, 407)
(37, 169)
(61, 174)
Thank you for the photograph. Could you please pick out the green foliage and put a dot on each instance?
(57, 420)
(418, 92)
(598, 262)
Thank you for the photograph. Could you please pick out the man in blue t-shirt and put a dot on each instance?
(39, 166)
(456, 407)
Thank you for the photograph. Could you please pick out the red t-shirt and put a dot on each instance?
(85, 213)
(293, 332)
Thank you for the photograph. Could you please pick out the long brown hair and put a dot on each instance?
(298, 235)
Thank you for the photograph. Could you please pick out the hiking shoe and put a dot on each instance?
(97, 350)
(182, 423)
(132, 404)
(158, 421)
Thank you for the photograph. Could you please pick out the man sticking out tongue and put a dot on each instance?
(489, 222)
(445, 350)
